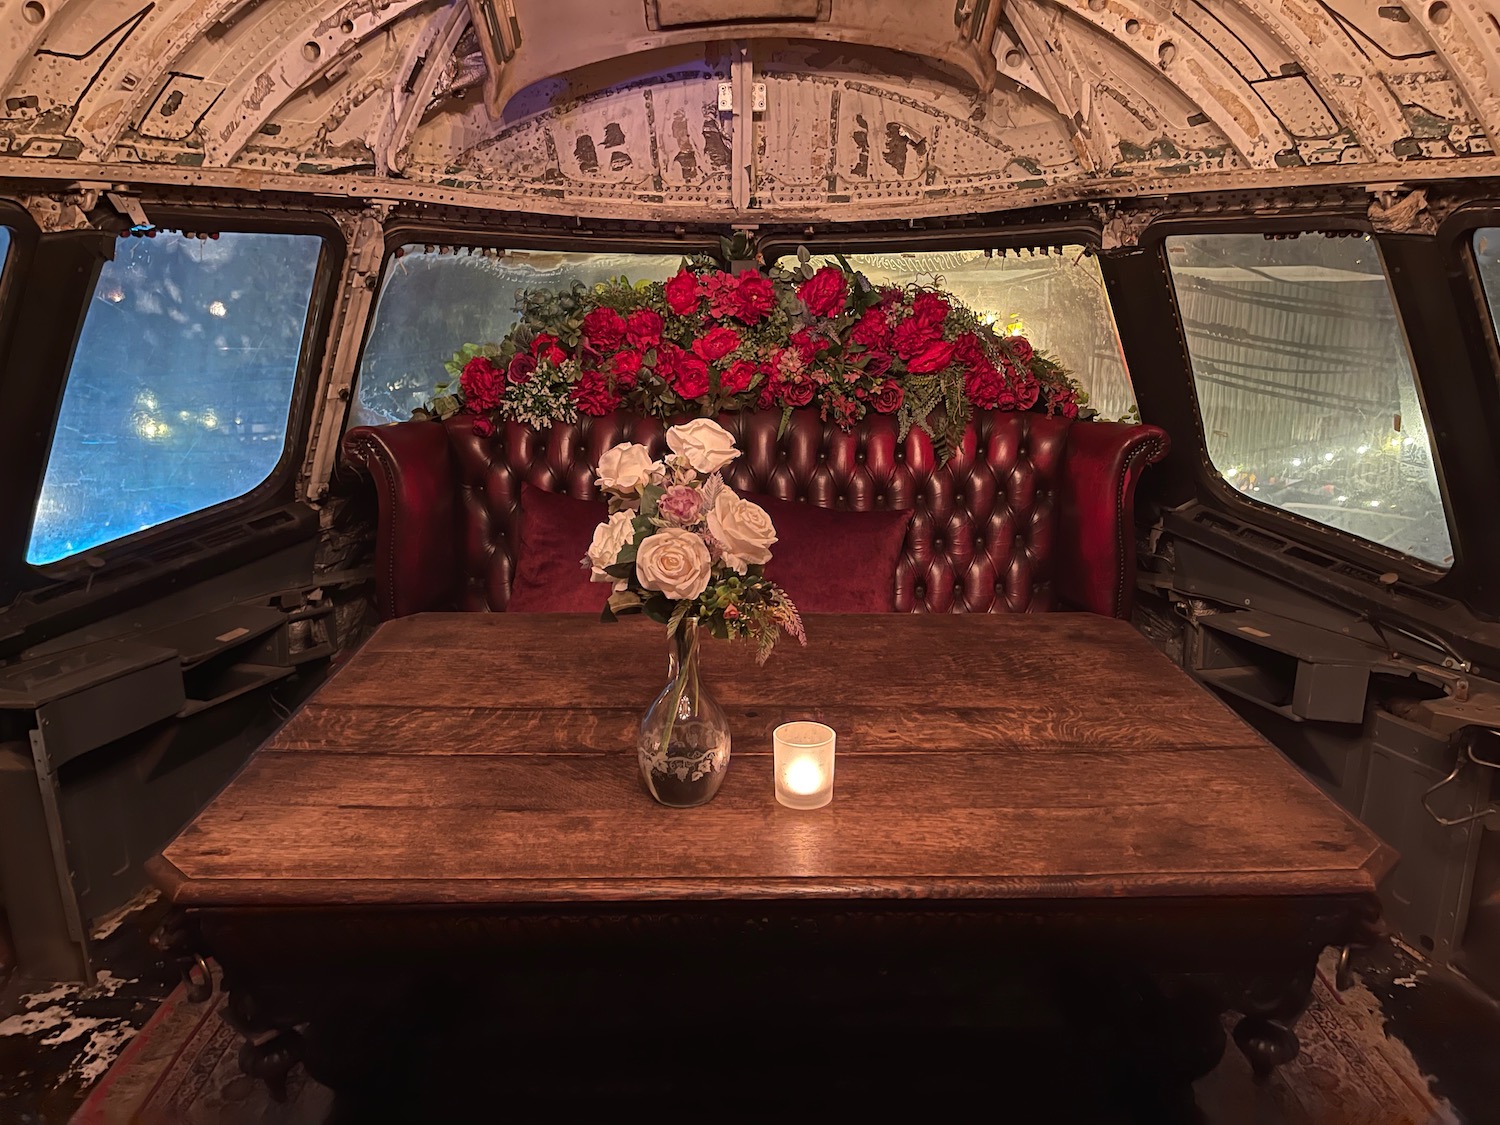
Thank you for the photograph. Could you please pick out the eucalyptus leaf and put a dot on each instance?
(804, 255)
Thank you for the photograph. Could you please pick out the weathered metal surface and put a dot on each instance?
(610, 107)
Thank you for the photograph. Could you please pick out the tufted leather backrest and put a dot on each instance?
(981, 539)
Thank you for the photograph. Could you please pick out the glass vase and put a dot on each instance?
(683, 747)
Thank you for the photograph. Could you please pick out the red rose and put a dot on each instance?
(934, 357)
(483, 385)
(968, 352)
(546, 350)
(483, 427)
(797, 394)
(825, 292)
(684, 372)
(682, 293)
(889, 398)
(643, 328)
(873, 329)
(770, 393)
(716, 343)
(521, 368)
(604, 328)
(1020, 347)
(738, 377)
(754, 297)
(1027, 392)
(912, 335)
(626, 368)
(931, 309)
(1063, 402)
(592, 394)
(1006, 400)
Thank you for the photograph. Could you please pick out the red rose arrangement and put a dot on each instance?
(707, 341)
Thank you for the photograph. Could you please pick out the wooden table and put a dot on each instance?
(463, 792)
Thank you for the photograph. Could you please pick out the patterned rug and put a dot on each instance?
(182, 1069)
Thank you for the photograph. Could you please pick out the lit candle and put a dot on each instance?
(803, 764)
(803, 776)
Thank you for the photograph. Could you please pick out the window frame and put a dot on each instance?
(279, 486)
(402, 234)
(1302, 529)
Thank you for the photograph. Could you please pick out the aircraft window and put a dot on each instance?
(179, 394)
(436, 299)
(1305, 387)
(1057, 301)
(1487, 255)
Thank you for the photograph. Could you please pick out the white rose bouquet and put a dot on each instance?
(680, 543)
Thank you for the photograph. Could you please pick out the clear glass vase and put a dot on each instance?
(683, 747)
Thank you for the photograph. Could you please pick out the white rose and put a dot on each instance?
(706, 445)
(626, 468)
(675, 562)
(610, 538)
(744, 530)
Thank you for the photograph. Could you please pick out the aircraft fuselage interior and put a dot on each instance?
(1255, 242)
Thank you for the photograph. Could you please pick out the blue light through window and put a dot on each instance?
(180, 388)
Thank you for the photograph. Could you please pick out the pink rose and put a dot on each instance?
(643, 328)
(682, 293)
(754, 297)
(483, 385)
(933, 357)
(680, 505)
(604, 328)
(825, 292)
(716, 343)
(889, 398)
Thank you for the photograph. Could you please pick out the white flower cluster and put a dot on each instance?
(680, 517)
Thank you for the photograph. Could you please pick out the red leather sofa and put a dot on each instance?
(1031, 513)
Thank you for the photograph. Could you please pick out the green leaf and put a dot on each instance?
(804, 255)
(649, 496)
(678, 615)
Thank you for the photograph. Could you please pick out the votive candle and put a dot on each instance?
(803, 764)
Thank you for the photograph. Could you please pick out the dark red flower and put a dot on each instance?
(682, 293)
(912, 335)
(604, 328)
(931, 309)
(873, 329)
(626, 368)
(1063, 401)
(770, 393)
(1027, 392)
(754, 297)
(806, 345)
(684, 372)
(933, 357)
(716, 343)
(738, 377)
(825, 292)
(968, 352)
(484, 428)
(593, 395)
(1020, 348)
(984, 386)
(483, 385)
(799, 393)
(643, 328)
(521, 368)
(889, 398)
(877, 364)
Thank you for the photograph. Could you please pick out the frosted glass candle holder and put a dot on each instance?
(803, 753)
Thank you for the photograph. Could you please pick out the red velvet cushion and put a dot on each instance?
(835, 562)
(555, 532)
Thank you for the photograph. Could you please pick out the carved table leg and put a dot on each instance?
(1271, 1006)
(177, 939)
(269, 1051)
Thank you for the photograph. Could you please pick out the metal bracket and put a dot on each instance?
(1464, 759)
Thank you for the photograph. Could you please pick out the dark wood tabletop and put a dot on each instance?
(490, 759)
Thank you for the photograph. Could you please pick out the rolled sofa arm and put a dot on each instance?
(1096, 518)
(416, 541)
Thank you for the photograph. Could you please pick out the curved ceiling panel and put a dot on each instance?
(793, 107)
